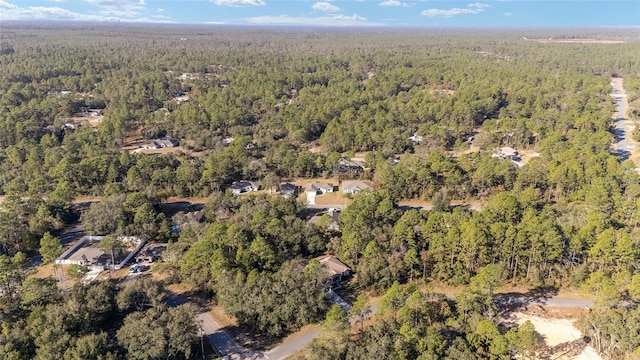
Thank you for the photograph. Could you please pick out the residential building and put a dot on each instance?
(317, 189)
(288, 189)
(355, 186)
(336, 271)
(241, 187)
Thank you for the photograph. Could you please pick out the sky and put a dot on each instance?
(352, 13)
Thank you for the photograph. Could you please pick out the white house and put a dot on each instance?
(355, 186)
(506, 153)
(317, 189)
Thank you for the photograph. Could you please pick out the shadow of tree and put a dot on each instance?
(567, 350)
(515, 300)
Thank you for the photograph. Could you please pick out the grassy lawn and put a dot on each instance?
(334, 198)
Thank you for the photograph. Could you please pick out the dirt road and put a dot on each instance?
(624, 146)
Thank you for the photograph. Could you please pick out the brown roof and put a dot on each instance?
(333, 265)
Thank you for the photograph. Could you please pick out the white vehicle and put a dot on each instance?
(134, 268)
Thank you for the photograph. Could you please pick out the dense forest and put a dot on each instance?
(248, 104)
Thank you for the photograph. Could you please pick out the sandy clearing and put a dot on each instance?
(561, 337)
(553, 331)
(93, 121)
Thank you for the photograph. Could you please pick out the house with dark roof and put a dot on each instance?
(288, 189)
(346, 165)
(241, 187)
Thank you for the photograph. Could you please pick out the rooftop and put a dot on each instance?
(333, 265)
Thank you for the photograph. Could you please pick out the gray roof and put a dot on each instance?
(315, 186)
(356, 185)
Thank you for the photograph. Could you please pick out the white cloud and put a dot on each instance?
(336, 20)
(354, 17)
(126, 13)
(117, 2)
(479, 5)
(127, 8)
(508, 14)
(117, 8)
(474, 8)
(160, 10)
(394, 3)
(239, 3)
(147, 20)
(325, 6)
(9, 11)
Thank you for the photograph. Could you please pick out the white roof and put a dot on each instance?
(508, 151)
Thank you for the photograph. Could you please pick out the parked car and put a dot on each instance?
(134, 268)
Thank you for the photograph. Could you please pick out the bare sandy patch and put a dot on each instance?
(561, 339)
(93, 121)
(114, 274)
(160, 151)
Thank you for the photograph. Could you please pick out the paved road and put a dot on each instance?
(292, 346)
(231, 350)
(296, 344)
(403, 207)
(225, 344)
(517, 300)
